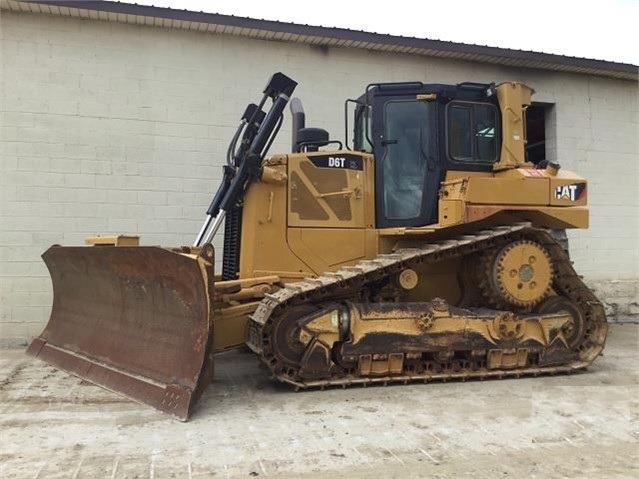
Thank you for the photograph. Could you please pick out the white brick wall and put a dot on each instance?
(111, 128)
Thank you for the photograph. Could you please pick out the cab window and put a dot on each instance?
(363, 129)
(404, 162)
(472, 132)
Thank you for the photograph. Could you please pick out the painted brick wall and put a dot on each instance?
(110, 128)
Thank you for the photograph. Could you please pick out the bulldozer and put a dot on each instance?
(423, 248)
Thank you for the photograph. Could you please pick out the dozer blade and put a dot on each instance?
(134, 320)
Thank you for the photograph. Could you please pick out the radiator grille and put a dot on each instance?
(232, 235)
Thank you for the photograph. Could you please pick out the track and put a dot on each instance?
(349, 281)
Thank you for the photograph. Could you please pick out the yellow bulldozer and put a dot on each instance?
(422, 250)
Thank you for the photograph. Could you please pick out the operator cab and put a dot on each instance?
(416, 133)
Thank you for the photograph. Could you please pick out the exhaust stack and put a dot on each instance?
(299, 122)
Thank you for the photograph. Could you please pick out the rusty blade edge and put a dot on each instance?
(168, 398)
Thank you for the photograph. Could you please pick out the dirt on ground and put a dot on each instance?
(53, 425)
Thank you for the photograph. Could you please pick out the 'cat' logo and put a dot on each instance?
(572, 192)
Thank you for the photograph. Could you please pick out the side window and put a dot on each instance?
(485, 124)
(363, 129)
(459, 132)
(472, 132)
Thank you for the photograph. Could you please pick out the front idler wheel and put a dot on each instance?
(287, 346)
(574, 329)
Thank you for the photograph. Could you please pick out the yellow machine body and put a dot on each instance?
(327, 297)
(314, 220)
(321, 219)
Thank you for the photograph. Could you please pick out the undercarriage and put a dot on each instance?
(524, 312)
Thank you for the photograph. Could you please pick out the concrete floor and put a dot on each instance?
(53, 425)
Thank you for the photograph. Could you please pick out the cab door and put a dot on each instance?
(407, 173)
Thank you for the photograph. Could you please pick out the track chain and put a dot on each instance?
(352, 278)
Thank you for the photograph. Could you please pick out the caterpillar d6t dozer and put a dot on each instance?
(426, 251)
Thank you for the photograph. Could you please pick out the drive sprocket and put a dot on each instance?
(520, 274)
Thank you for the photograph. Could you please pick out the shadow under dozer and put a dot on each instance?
(134, 320)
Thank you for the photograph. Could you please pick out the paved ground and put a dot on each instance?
(53, 425)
